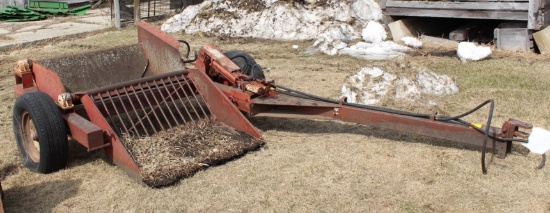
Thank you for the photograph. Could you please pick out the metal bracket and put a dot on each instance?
(65, 101)
(22, 67)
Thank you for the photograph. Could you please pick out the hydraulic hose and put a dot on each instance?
(456, 118)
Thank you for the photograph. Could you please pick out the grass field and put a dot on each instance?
(311, 165)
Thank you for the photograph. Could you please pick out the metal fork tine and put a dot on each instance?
(165, 100)
(172, 98)
(117, 112)
(191, 90)
(140, 121)
(152, 108)
(158, 105)
(146, 115)
(128, 113)
(180, 98)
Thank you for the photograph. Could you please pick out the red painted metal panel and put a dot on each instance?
(303, 108)
(84, 131)
(47, 81)
(27, 80)
(116, 152)
(222, 108)
(18, 90)
(160, 49)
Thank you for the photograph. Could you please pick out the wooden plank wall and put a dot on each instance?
(513, 10)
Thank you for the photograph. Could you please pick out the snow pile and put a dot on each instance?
(374, 48)
(379, 51)
(332, 23)
(411, 42)
(371, 85)
(468, 51)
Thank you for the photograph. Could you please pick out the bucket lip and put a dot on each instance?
(81, 53)
(133, 82)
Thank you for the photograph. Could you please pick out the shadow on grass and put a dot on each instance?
(41, 197)
(79, 155)
(332, 127)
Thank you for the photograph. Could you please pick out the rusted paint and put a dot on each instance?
(442, 130)
(239, 98)
(47, 81)
(161, 50)
(282, 99)
(116, 152)
(210, 57)
(22, 72)
(84, 131)
(280, 105)
(18, 90)
(222, 108)
(96, 69)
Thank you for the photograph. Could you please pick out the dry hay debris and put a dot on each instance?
(182, 151)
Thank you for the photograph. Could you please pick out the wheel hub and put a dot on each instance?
(30, 137)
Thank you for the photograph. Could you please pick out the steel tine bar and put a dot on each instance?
(198, 101)
(162, 102)
(165, 100)
(179, 97)
(188, 100)
(191, 90)
(150, 106)
(117, 112)
(146, 115)
(109, 114)
(158, 105)
(172, 98)
(128, 114)
(140, 120)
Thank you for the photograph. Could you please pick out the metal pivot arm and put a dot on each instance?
(210, 59)
(283, 105)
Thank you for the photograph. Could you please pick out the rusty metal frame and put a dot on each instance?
(309, 109)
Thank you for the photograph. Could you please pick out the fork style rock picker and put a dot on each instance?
(100, 97)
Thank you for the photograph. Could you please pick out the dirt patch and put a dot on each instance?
(182, 151)
(249, 5)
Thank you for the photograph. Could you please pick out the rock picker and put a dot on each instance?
(108, 99)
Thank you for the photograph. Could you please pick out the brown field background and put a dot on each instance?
(308, 164)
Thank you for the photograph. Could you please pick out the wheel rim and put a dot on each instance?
(29, 136)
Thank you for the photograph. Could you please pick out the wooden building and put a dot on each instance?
(527, 16)
(534, 12)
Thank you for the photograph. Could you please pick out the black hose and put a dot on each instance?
(188, 47)
(456, 118)
(486, 137)
(380, 109)
(446, 118)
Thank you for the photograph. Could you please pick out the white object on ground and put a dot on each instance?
(380, 51)
(411, 42)
(374, 33)
(371, 84)
(468, 51)
(539, 141)
(295, 46)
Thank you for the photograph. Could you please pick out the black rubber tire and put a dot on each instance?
(247, 64)
(39, 110)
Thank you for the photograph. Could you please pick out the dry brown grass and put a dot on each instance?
(312, 165)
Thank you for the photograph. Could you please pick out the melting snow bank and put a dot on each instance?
(333, 23)
(372, 85)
